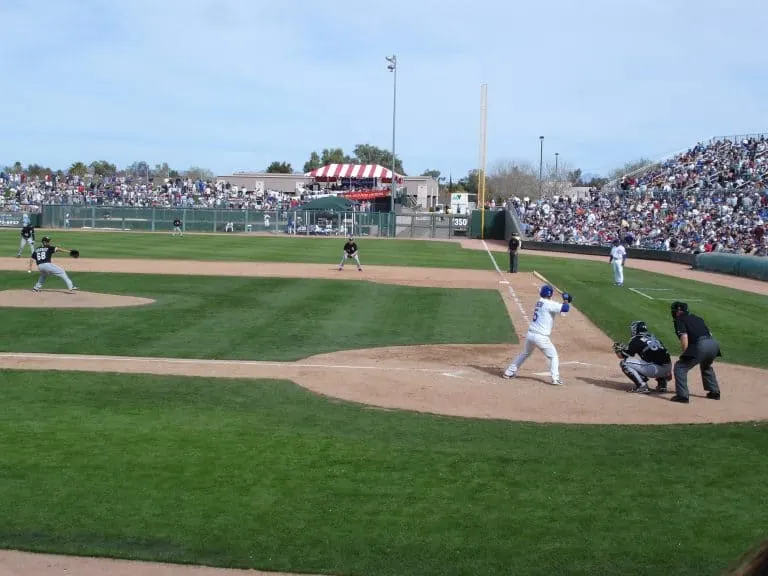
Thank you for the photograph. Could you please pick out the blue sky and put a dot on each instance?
(235, 84)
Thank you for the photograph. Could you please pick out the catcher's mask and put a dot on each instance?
(46, 240)
(638, 327)
(678, 309)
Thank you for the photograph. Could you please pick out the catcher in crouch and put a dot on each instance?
(653, 362)
(43, 257)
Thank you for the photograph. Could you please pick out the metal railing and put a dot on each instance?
(278, 222)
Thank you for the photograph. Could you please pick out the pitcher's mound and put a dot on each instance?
(63, 299)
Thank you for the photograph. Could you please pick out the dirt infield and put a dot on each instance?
(64, 299)
(456, 380)
(13, 563)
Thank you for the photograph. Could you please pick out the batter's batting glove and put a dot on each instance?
(567, 297)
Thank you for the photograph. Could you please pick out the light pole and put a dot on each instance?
(557, 174)
(392, 67)
(541, 164)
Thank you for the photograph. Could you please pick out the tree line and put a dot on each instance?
(361, 154)
(105, 169)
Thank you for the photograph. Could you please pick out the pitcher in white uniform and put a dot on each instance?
(539, 332)
(617, 259)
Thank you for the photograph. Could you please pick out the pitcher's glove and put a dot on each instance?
(567, 297)
(619, 349)
(74, 253)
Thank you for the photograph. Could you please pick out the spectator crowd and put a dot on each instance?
(711, 198)
(19, 193)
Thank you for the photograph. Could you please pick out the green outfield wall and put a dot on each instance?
(734, 264)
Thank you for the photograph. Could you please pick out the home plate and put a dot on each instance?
(454, 374)
(503, 281)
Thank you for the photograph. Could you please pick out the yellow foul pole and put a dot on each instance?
(481, 169)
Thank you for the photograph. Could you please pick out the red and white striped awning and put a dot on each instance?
(338, 171)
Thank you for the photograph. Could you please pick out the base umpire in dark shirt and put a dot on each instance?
(699, 347)
(514, 245)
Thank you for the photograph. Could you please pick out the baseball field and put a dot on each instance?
(237, 401)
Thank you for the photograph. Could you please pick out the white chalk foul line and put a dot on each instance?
(503, 281)
(206, 362)
(643, 294)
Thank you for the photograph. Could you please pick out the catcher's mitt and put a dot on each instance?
(74, 253)
(619, 349)
(567, 297)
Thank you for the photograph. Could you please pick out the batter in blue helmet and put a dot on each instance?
(539, 331)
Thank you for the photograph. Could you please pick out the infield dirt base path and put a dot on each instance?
(458, 380)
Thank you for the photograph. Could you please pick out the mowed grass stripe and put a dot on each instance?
(253, 318)
(227, 247)
(265, 474)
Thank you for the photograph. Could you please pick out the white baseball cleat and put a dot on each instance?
(508, 375)
(557, 382)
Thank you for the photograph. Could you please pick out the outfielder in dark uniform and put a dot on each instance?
(653, 359)
(350, 251)
(43, 257)
(699, 347)
(27, 237)
(177, 228)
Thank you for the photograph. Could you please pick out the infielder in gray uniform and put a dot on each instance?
(43, 258)
(27, 237)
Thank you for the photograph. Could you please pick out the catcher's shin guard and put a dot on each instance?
(637, 378)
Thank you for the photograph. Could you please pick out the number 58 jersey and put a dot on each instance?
(649, 348)
(544, 316)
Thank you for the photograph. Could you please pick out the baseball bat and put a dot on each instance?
(541, 277)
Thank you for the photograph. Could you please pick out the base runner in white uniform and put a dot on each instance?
(618, 257)
(539, 331)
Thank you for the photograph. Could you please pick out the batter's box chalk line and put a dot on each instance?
(503, 281)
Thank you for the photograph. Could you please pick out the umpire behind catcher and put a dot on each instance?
(514, 245)
(699, 347)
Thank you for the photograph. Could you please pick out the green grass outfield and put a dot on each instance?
(238, 247)
(276, 319)
(265, 474)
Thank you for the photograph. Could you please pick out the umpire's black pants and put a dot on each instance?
(703, 353)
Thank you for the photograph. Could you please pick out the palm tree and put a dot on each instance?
(78, 169)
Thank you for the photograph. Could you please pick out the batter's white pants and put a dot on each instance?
(24, 242)
(48, 269)
(543, 343)
(618, 272)
(346, 256)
